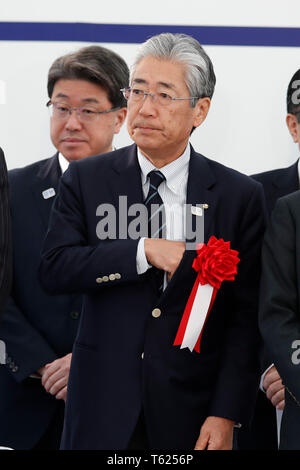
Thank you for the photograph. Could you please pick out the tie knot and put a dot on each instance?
(156, 178)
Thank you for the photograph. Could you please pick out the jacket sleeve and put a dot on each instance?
(71, 262)
(26, 348)
(5, 236)
(279, 300)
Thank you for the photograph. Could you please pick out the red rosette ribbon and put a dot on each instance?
(215, 262)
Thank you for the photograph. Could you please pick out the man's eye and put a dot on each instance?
(165, 96)
(62, 109)
(87, 111)
(137, 92)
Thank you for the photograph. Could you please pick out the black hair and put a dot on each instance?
(95, 64)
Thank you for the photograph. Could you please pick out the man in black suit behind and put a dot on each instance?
(5, 236)
(130, 386)
(277, 183)
(279, 306)
(87, 109)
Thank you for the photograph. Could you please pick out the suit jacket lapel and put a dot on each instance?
(47, 177)
(129, 181)
(128, 185)
(200, 186)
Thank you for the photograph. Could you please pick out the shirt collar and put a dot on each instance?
(63, 163)
(174, 172)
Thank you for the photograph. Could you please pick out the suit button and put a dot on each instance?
(15, 369)
(74, 315)
(99, 280)
(117, 276)
(156, 313)
(112, 277)
(105, 279)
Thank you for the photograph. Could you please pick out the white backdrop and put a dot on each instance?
(245, 128)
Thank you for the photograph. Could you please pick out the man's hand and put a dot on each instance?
(164, 254)
(215, 434)
(55, 376)
(274, 388)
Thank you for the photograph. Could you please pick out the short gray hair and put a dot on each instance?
(200, 76)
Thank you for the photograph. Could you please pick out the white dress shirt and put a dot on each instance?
(63, 163)
(173, 194)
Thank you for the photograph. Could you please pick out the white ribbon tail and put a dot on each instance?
(197, 316)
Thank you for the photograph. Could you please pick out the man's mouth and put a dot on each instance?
(146, 128)
(72, 140)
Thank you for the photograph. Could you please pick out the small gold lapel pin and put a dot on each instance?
(205, 206)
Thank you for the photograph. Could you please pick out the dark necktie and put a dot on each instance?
(155, 206)
(156, 217)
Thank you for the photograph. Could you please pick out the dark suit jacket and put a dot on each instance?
(110, 378)
(263, 431)
(280, 309)
(37, 328)
(5, 236)
(278, 183)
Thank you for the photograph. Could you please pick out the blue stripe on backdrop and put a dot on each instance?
(135, 33)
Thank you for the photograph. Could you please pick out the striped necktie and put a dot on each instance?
(155, 206)
(156, 217)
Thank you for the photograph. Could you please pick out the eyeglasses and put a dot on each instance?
(62, 111)
(136, 95)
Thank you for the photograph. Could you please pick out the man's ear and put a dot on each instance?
(201, 110)
(293, 126)
(120, 118)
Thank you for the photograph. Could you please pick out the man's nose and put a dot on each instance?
(73, 120)
(148, 106)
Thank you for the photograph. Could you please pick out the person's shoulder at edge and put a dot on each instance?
(222, 172)
(106, 159)
(289, 199)
(273, 173)
(27, 169)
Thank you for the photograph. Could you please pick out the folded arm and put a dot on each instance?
(73, 259)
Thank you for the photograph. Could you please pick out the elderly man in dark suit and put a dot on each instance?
(87, 110)
(5, 236)
(130, 385)
(263, 433)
